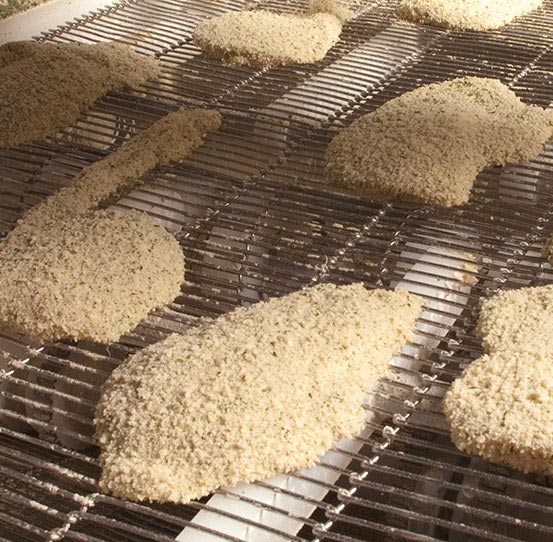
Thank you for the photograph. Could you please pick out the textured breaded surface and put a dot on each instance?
(44, 86)
(94, 276)
(518, 319)
(501, 406)
(547, 250)
(502, 409)
(264, 38)
(466, 14)
(11, 7)
(429, 144)
(256, 392)
(173, 137)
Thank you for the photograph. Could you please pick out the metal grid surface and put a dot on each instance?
(256, 219)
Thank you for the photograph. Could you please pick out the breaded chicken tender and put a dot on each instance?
(256, 392)
(501, 408)
(94, 276)
(466, 14)
(173, 137)
(263, 38)
(429, 144)
(44, 87)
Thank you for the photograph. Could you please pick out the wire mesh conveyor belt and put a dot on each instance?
(256, 219)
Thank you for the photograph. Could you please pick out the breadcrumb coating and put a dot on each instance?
(501, 409)
(44, 87)
(263, 38)
(94, 276)
(518, 319)
(547, 250)
(429, 144)
(466, 14)
(256, 392)
(173, 137)
(11, 7)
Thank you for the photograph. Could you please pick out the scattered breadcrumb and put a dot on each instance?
(518, 319)
(466, 14)
(259, 391)
(171, 138)
(94, 276)
(45, 86)
(501, 409)
(429, 144)
(264, 38)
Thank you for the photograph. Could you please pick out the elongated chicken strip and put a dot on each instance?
(256, 392)
(264, 38)
(44, 87)
(94, 276)
(428, 145)
(173, 137)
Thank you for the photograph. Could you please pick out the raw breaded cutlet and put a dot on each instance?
(518, 320)
(70, 272)
(172, 137)
(44, 87)
(428, 145)
(11, 7)
(94, 276)
(466, 14)
(256, 392)
(263, 38)
(501, 408)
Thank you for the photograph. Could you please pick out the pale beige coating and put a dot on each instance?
(11, 7)
(264, 38)
(518, 320)
(256, 392)
(44, 87)
(429, 144)
(173, 137)
(94, 276)
(547, 250)
(501, 408)
(466, 14)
